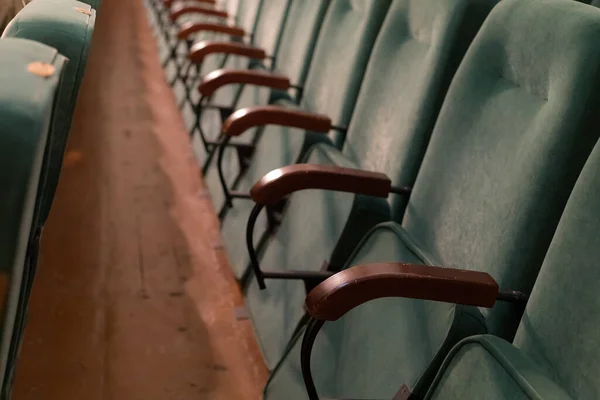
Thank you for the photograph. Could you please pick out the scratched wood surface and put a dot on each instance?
(133, 299)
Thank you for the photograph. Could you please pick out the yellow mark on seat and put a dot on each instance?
(41, 69)
(83, 11)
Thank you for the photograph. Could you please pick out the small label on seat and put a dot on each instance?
(83, 11)
(41, 69)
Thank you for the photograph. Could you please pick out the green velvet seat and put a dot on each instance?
(27, 111)
(515, 129)
(555, 354)
(389, 130)
(270, 20)
(66, 25)
(293, 56)
(331, 88)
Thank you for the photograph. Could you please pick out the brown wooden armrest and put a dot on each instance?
(352, 287)
(248, 117)
(169, 3)
(181, 9)
(206, 47)
(277, 184)
(221, 77)
(193, 27)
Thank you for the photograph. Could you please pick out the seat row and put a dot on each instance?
(420, 172)
(43, 54)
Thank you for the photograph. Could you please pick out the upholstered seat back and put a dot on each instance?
(414, 59)
(518, 122)
(29, 80)
(66, 25)
(559, 329)
(340, 58)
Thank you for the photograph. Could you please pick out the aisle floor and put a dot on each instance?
(133, 298)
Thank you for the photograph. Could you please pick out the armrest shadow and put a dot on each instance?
(221, 77)
(352, 287)
(193, 27)
(186, 8)
(277, 184)
(206, 47)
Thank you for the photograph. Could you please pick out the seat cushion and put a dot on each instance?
(59, 24)
(377, 347)
(27, 105)
(487, 366)
(501, 161)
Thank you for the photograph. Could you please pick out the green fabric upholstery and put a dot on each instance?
(293, 60)
(495, 178)
(555, 352)
(270, 21)
(490, 367)
(293, 56)
(360, 344)
(559, 326)
(58, 24)
(27, 106)
(337, 221)
(247, 16)
(516, 127)
(279, 146)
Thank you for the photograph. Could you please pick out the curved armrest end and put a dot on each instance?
(352, 287)
(221, 77)
(181, 9)
(248, 117)
(281, 182)
(206, 47)
(190, 28)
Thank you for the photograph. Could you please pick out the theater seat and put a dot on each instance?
(206, 122)
(388, 133)
(66, 25)
(555, 352)
(331, 89)
(30, 79)
(518, 122)
(292, 60)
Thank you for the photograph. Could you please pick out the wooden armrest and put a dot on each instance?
(181, 9)
(206, 47)
(352, 287)
(277, 184)
(193, 27)
(221, 77)
(169, 3)
(246, 118)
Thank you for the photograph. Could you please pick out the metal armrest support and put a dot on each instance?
(352, 287)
